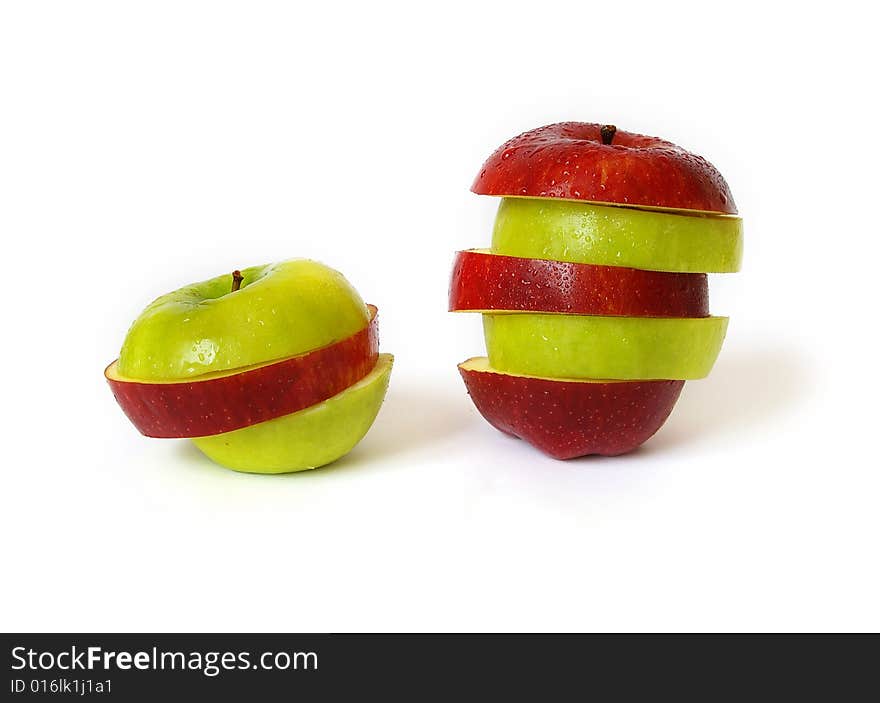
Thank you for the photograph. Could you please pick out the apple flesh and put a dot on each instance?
(280, 310)
(215, 403)
(617, 236)
(587, 161)
(307, 439)
(483, 281)
(587, 346)
(570, 418)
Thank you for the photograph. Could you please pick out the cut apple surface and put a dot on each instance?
(216, 403)
(617, 236)
(570, 418)
(483, 281)
(306, 439)
(587, 161)
(587, 346)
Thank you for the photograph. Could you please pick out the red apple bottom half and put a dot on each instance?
(570, 418)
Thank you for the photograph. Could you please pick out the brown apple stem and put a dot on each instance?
(237, 278)
(607, 133)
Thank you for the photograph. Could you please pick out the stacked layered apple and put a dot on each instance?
(594, 294)
(273, 369)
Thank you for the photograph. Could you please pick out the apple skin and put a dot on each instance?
(569, 160)
(281, 310)
(590, 346)
(313, 437)
(610, 235)
(568, 418)
(486, 281)
(216, 404)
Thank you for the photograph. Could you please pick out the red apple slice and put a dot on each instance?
(485, 281)
(585, 161)
(570, 418)
(217, 403)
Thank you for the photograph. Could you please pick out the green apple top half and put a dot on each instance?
(271, 312)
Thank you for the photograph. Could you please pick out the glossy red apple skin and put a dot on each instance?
(569, 419)
(225, 403)
(484, 281)
(568, 160)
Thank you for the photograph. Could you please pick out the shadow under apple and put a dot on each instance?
(745, 391)
(410, 419)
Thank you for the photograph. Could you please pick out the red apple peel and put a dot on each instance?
(587, 161)
(484, 281)
(218, 404)
(565, 418)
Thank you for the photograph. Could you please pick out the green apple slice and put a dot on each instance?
(306, 439)
(588, 346)
(280, 310)
(587, 233)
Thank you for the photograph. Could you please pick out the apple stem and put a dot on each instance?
(237, 278)
(607, 133)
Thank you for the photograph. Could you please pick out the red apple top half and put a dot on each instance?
(601, 164)
(594, 292)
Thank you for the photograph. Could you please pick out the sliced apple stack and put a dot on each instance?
(594, 294)
(275, 369)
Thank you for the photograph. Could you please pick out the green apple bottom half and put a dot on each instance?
(594, 294)
(272, 369)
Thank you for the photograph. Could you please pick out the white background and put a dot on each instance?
(144, 146)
